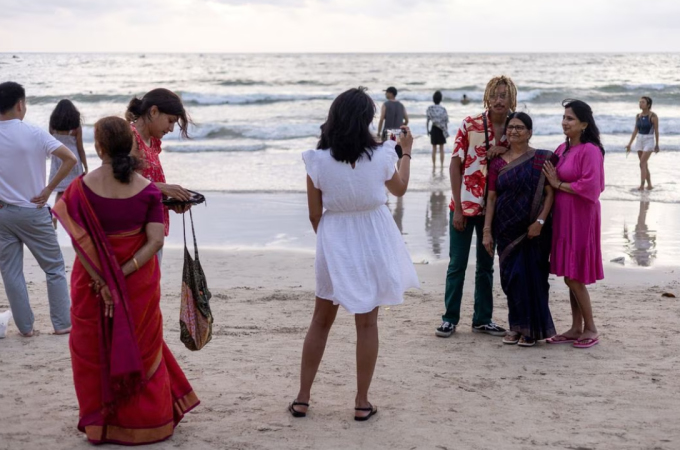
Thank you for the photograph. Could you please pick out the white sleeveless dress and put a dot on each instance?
(361, 259)
(69, 142)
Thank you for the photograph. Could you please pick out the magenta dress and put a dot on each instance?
(576, 249)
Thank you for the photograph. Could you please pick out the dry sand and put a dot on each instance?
(465, 392)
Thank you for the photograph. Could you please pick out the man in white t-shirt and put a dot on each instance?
(24, 150)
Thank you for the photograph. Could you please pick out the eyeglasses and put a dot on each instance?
(518, 128)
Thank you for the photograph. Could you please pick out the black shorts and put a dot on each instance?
(437, 136)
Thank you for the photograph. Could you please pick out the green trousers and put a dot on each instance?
(459, 251)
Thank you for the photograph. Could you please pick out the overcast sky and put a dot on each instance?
(339, 25)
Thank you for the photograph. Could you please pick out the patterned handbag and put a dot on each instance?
(195, 317)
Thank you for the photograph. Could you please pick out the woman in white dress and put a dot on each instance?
(361, 260)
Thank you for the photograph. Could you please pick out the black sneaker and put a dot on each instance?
(446, 329)
(490, 328)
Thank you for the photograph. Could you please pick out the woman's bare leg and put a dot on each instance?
(314, 346)
(644, 169)
(585, 308)
(367, 355)
(434, 156)
(441, 154)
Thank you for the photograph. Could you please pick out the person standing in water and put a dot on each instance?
(440, 127)
(647, 132)
(392, 114)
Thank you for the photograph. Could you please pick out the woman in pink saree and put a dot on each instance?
(129, 386)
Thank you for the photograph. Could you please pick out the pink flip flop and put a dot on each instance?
(560, 339)
(586, 343)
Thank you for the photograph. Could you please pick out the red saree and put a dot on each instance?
(129, 386)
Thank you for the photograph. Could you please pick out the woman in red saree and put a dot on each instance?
(129, 386)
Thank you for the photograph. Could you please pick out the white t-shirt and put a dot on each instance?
(23, 151)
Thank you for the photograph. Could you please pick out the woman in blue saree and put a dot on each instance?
(518, 222)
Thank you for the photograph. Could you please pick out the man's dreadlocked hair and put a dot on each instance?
(491, 88)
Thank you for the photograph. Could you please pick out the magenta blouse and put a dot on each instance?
(118, 215)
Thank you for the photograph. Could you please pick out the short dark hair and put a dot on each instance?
(114, 137)
(392, 90)
(648, 100)
(584, 113)
(166, 101)
(437, 97)
(346, 131)
(65, 116)
(10, 94)
(524, 117)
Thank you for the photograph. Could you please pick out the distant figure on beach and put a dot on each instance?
(465, 100)
(576, 252)
(479, 139)
(130, 388)
(65, 126)
(152, 117)
(518, 221)
(23, 218)
(392, 114)
(647, 132)
(361, 259)
(440, 127)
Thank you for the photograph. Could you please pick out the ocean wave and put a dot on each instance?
(203, 147)
(81, 98)
(197, 99)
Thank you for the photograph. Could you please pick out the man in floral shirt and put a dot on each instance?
(479, 138)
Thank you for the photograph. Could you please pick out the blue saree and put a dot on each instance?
(524, 262)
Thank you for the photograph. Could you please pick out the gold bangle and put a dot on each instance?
(134, 260)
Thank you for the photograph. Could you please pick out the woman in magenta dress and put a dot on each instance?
(576, 253)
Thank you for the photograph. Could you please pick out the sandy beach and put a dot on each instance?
(465, 392)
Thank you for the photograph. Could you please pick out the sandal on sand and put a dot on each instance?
(295, 412)
(373, 411)
(511, 338)
(526, 342)
(587, 343)
(560, 339)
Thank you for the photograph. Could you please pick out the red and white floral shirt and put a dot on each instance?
(151, 167)
(470, 147)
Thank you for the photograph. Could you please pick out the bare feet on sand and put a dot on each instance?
(64, 331)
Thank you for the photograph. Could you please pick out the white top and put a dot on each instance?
(23, 151)
(361, 259)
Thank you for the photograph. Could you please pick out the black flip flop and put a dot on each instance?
(373, 411)
(296, 413)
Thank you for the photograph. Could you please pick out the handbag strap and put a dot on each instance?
(486, 131)
(193, 232)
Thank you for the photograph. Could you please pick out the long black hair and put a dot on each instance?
(584, 113)
(114, 137)
(346, 131)
(65, 116)
(166, 101)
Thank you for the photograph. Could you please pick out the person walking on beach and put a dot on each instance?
(647, 132)
(576, 252)
(361, 259)
(479, 139)
(23, 218)
(152, 117)
(392, 114)
(440, 127)
(129, 386)
(518, 222)
(66, 127)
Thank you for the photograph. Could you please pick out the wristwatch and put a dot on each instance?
(541, 221)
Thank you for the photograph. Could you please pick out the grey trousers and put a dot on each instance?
(32, 227)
